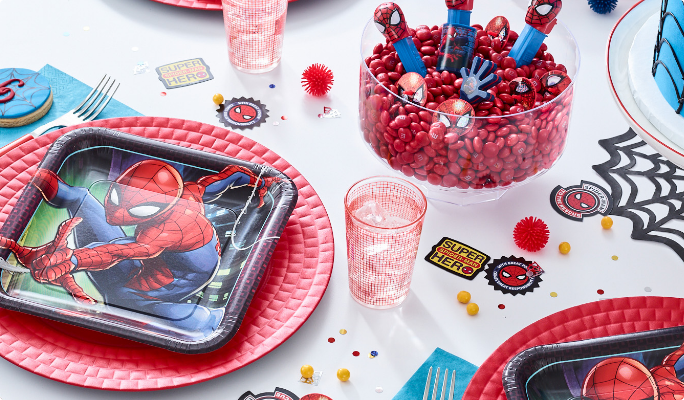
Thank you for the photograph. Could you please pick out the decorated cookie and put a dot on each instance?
(25, 97)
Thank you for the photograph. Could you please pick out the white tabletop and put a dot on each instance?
(331, 154)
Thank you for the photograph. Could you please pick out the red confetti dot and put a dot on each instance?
(331, 340)
(162, 94)
(317, 79)
(600, 291)
(356, 354)
(502, 306)
(531, 234)
(283, 118)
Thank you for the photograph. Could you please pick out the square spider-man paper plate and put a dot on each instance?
(142, 239)
(642, 365)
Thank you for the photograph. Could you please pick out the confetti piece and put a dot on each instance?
(502, 306)
(86, 28)
(374, 353)
(162, 94)
(343, 331)
(284, 118)
(600, 291)
(276, 123)
(614, 258)
(272, 86)
(331, 340)
(379, 389)
(370, 355)
(134, 49)
(648, 289)
(66, 34)
(554, 294)
(356, 354)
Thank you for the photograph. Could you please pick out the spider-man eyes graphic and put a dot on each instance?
(581, 200)
(513, 275)
(555, 82)
(541, 14)
(389, 19)
(499, 28)
(458, 116)
(242, 113)
(412, 87)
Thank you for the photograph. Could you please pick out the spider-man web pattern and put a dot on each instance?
(390, 21)
(632, 159)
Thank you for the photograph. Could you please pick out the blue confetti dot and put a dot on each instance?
(374, 353)
(271, 86)
(66, 33)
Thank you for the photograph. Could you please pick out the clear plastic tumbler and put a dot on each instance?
(254, 32)
(384, 218)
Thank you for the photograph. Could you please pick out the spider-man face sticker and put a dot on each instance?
(541, 14)
(456, 115)
(499, 28)
(555, 82)
(390, 22)
(584, 200)
(522, 89)
(145, 190)
(412, 88)
(465, 5)
(512, 275)
(278, 393)
(242, 113)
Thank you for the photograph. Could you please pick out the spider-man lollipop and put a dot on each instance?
(390, 22)
(458, 38)
(540, 19)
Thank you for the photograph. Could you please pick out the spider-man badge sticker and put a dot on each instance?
(277, 394)
(514, 275)
(457, 258)
(242, 113)
(583, 200)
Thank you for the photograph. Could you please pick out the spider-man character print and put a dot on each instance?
(522, 90)
(465, 5)
(583, 200)
(513, 275)
(173, 254)
(389, 19)
(242, 113)
(499, 28)
(541, 14)
(555, 82)
(621, 378)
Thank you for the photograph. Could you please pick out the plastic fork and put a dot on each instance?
(436, 385)
(88, 110)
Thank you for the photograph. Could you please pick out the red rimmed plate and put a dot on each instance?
(587, 321)
(298, 275)
(214, 5)
(617, 53)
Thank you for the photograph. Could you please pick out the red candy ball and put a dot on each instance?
(531, 234)
(317, 79)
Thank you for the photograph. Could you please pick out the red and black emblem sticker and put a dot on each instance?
(242, 113)
(277, 394)
(583, 200)
(514, 275)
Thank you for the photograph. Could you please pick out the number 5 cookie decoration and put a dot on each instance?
(25, 97)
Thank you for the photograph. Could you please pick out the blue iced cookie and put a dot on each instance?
(25, 96)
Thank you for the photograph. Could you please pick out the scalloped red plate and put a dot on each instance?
(587, 321)
(214, 5)
(293, 286)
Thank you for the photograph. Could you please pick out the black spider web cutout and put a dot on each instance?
(627, 205)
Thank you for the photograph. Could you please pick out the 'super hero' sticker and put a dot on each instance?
(277, 394)
(583, 200)
(457, 258)
(242, 113)
(184, 73)
(514, 275)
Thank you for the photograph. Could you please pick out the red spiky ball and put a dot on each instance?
(531, 234)
(317, 80)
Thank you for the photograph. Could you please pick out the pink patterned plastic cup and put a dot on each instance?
(254, 32)
(384, 218)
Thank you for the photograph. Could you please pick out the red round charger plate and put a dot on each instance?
(294, 284)
(214, 5)
(587, 321)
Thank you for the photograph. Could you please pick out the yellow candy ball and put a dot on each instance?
(564, 248)
(218, 98)
(343, 374)
(463, 297)
(307, 371)
(607, 222)
(473, 309)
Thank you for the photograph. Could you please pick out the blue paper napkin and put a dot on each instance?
(415, 387)
(67, 93)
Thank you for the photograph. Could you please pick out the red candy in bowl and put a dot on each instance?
(461, 153)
